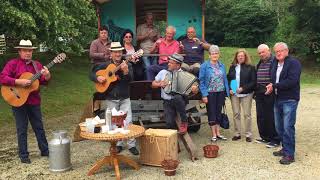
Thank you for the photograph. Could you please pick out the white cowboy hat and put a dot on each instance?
(116, 46)
(25, 44)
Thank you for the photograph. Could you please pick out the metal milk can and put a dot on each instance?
(59, 152)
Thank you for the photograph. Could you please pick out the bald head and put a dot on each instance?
(191, 32)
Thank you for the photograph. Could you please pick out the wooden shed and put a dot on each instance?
(119, 15)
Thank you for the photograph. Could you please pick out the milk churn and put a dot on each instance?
(59, 152)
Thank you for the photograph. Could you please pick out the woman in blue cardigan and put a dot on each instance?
(214, 88)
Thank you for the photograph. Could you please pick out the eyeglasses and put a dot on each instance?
(280, 51)
(128, 37)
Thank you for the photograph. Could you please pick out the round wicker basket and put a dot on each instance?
(211, 151)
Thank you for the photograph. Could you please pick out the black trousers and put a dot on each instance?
(172, 107)
(22, 115)
(265, 117)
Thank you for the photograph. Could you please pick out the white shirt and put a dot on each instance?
(238, 69)
(279, 69)
(160, 77)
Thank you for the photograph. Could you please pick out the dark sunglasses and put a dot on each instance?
(128, 36)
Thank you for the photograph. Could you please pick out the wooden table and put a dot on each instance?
(113, 158)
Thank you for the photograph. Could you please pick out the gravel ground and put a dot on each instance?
(236, 160)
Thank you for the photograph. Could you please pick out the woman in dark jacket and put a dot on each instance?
(138, 67)
(243, 75)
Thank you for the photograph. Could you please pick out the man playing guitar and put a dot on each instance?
(117, 95)
(30, 110)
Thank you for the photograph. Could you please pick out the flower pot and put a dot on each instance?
(211, 151)
(170, 167)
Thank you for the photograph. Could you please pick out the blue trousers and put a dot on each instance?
(153, 70)
(285, 112)
(22, 115)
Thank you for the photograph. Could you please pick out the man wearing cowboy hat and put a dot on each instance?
(31, 109)
(117, 95)
(173, 103)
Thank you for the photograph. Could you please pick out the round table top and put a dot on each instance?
(135, 131)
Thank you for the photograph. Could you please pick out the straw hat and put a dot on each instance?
(116, 46)
(25, 44)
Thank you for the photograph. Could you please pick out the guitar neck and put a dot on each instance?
(118, 66)
(38, 74)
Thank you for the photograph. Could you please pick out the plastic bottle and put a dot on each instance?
(108, 118)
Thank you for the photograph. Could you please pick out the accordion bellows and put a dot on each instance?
(157, 145)
(179, 82)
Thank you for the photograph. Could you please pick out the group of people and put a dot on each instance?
(274, 83)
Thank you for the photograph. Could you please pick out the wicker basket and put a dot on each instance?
(118, 120)
(211, 151)
(170, 166)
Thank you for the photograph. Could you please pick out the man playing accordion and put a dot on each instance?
(174, 102)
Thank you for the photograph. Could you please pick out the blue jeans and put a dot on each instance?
(33, 113)
(285, 118)
(153, 70)
(149, 60)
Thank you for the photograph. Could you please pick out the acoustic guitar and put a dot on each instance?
(16, 95)
(110, 71)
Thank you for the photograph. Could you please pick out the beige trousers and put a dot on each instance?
(245, 103)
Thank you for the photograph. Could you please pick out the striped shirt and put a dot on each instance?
(263, 73)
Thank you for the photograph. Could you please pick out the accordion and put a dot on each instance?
(179, 82)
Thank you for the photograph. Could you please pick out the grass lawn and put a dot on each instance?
(70, 88)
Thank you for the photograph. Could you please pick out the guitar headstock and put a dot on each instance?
(137, 54)
(59, 58)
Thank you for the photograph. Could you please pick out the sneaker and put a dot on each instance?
(119, 149)
(25, 160)
(278, 153)
(261, 141)
(248, 139)
(236, 138)
(221, 138)
(214, 139)
(272, 145)
(134, 151)
(286, 160)
(183, 127)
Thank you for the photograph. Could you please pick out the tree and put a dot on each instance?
(61, 25)
(240, 23)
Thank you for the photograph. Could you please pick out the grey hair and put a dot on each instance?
(263, 46)
(281, 44)
(172, 28)
(214, 49)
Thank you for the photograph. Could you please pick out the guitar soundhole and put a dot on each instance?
(110, 74)
(15, 93)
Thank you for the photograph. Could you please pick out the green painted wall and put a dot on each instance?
(185, 13)
(122, 13)
(181, 14)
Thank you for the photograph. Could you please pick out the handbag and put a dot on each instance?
(224, 118)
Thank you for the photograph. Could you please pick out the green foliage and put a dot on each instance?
(239, 23)
(60, 25)
(300, 28)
